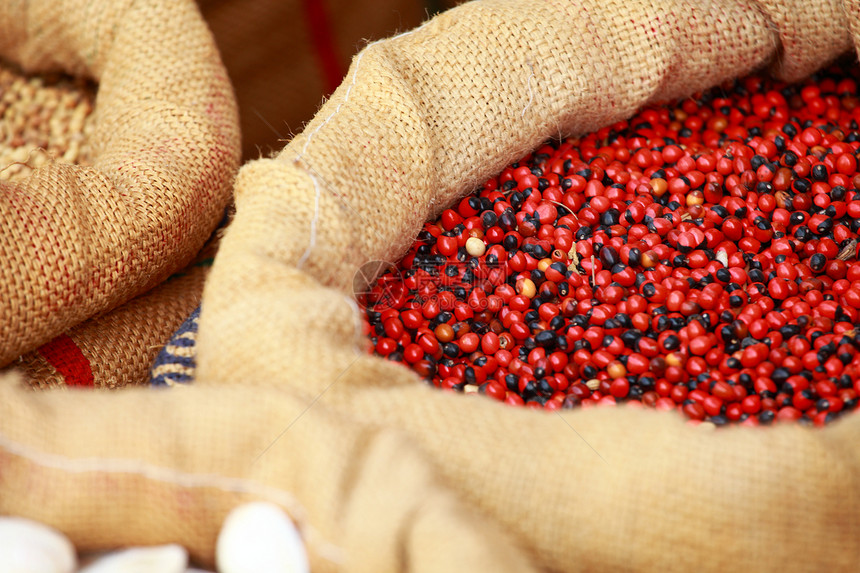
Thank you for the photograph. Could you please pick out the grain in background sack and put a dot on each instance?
(41, 121)
(48, 119)
(78, 240)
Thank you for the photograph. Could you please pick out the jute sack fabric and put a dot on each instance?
(118, 348)
(381, 472)
(76, 241)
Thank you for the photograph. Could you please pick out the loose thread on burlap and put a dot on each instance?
(26, 163)
(269, 125)
(324, 548)
(529, 85)
(776, 36)
(319, 181)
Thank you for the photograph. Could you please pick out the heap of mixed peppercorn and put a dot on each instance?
(700, 256)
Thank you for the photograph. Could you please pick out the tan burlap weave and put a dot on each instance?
(117, 349)
(381, 472)
(76, 241)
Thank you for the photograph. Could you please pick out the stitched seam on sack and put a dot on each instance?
(312, 241)
(300, 162)
(324, 548)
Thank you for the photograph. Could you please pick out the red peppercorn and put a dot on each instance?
(555, 304)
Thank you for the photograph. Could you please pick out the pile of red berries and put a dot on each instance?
(700, 256)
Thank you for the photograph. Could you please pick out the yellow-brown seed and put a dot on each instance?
(444, 332)
(819, 151)
(616, 369)
(475, 246)
(649, 259)
(526, 288)
(675, 359)
(695, 198)
(544, 264)
(659, 186)
(718, 123)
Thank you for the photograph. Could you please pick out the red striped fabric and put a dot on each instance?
(64, 355)
(322, 37)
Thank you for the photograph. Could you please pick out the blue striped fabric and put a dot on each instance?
(177, 361)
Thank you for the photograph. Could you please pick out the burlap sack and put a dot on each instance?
(76, 241)
(381, 472)
(118, 348)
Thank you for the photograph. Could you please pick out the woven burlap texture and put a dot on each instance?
(77, 241)
(120, 346)
(381, 472)
(117, 349)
